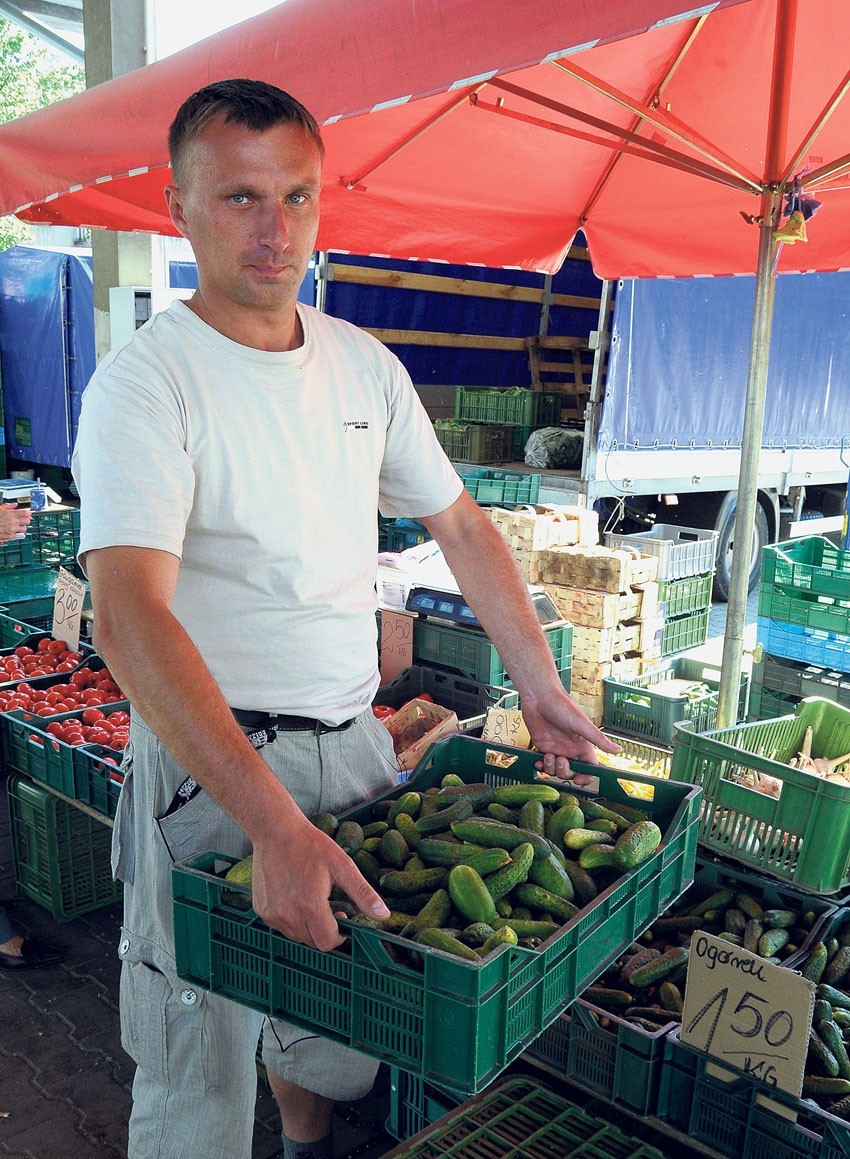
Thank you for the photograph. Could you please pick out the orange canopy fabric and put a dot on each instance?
(490, 133)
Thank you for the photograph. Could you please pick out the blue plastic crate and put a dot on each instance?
(809, 645)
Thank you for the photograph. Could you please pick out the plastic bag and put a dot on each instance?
(554, 447)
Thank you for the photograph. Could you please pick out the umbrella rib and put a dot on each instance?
(461, 98)
(818, 177)
(645, 148)
(819, 122)
(660, 120)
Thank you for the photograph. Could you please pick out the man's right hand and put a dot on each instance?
(292, 882)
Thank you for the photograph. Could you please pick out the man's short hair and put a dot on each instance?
(252, 103)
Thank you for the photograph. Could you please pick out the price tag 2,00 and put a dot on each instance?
(67, 608)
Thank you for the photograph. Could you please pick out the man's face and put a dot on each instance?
(249, 204)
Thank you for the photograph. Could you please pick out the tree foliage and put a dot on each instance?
(29, 80)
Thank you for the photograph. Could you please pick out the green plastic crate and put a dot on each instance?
(520, 438)
(61, 854)
(476, 443)
(767, 705)
(23, 619)
(415, 1103)
(522, 1118)
(16, 553)
(783, 836)
(651, 754)
(98, 778)
(366, 1000)
(55, 536)
(30, 749)
(684, 632)
(622, 1062)
(812, 566)
(730, 1117)
(469, 651)
(468, 699)
(655, 714)
(682, 596)
(492, 488)
(809, 611)
(792, 678)
(514, 406)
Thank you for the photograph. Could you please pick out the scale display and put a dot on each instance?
(450, 606)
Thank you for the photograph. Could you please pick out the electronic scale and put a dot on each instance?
(442, 604)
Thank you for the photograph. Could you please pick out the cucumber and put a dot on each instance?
(584, 887)
(658, 969)
(815, 963)
(735, 921)
(444, 818)
(515, 796)
(533, 818)
(435, 851)
(503, 937)
(838, 999)
(478, 794)
(485, 831)
(603, 825)
(408, 802)
(502, 813)
(635, 961)
(751, 907)
(752, 934)
(413, 863)
(720, 899)
(406, 826)
(815, 1085)
(775, 919)
(370, 844)
(607, 998)
(543, 899)
(326, 822)
(594, 811)
(375, 829)
(597, 856)
(438, 939)
(434, 913)
(670, 997)
(637, 843)
(504, 880)
(772, 941)
(398, 882)
(619, 809)
(349, 836)
(832, 1037)
(567, 817)
(368, 866)
(452, 779)
(578, 839)
(527, 929)
(470, 895)
(487, 861)
(476, 934)
(680, 924)
(550, 874)
(655, 1014)
(393, 850)
(836, 972)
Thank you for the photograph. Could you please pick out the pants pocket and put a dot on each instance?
(164, 1027)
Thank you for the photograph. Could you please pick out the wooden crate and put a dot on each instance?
(601, 569)
(590, 609)
(588, 676)
(593, 705)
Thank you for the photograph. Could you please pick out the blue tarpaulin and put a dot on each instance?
(680, 354)
(47, 352)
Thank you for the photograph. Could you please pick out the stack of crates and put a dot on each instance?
(686, 561)
(475, 442)
(803, 627)
(611, 601)
(509, 415)
(29, 571)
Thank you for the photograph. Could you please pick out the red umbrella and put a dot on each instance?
(492, 132)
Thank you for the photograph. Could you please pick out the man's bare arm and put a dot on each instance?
(171, 688)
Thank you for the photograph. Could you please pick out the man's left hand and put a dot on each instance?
(561, 730)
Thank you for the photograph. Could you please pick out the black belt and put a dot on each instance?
(277, 723)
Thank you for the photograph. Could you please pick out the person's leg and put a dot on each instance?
(17, 953)
(308, 1073)
(195, 1083)
(7, 933)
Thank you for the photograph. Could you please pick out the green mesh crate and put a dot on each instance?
(492, 488)
(24, 618)
(810, 611)
(469, 652)
(514, 406)
(416, 1103)
(522, 1118)
(55, 536)
(784, 836)
(61, 854)
(724, 1110)
(365, 999)
(640, 706)
(475, 443)
(16, 553)
(521, 436)
(811, 566)
(684, 632)
(767, 705)
(98, 778)
(682, 596)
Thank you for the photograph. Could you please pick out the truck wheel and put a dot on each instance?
(725, 543)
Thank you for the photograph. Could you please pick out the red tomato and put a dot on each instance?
(44, 644)
(382, 711)
(56, 728)
(91, 696)
(67, 706)
(119, 717)
(82, 678)
(65, 666)
(23, 650)
(118, 742)
(98, 736)
(45, 710)
(56, 646)
(92, 716)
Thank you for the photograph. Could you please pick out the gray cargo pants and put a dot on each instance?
(195, 1084)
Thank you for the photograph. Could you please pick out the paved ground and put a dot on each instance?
(64, 1079)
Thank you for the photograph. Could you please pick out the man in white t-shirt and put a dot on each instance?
(231, 461)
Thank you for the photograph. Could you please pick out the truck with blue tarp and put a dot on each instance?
(651, 374)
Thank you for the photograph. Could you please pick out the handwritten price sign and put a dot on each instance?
(506, 726)
(67, 608)
(396, 644)
(748, 1013)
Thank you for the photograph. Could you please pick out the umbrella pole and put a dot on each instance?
(733, 641)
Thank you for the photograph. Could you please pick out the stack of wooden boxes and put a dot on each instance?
(611, 599)
(533, 529)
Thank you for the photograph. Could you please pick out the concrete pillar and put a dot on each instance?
(116, 43)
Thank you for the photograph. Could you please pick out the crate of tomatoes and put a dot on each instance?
(48, 720)
(38, 656)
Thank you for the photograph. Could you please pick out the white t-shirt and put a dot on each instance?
(263, 472)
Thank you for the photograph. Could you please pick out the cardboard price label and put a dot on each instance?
(67, 608)
(506, 726)
(747, 1013)
(396, 644)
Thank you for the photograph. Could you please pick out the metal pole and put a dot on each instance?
(736, 611)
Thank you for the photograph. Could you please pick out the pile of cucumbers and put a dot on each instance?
(827, 1078)
(467, 868)
(646, 984)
